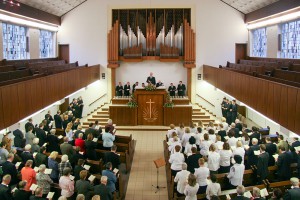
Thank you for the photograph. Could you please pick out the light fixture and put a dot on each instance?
(11, 3)
(274, 20)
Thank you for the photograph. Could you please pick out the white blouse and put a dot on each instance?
(176, 160)
(212, 137)
(191, 192)
(236, 174)
(225, 156)
(213, 161)
(185, 138)
(188, 148)
(232, 141)
(213, 189)
(202, 173)
(239, 151)
(181, 178)
(180, 132)
(204, 146)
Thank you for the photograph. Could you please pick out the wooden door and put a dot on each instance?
(64, 52)
(240, 52)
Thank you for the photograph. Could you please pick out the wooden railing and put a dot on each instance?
(279, 102)
(21, 99)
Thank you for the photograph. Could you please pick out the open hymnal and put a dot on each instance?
(264, 192)
(276, 156)
(13, 190)
(248, 194)
(297, 148)
(118, 154)
(91, 178)
(80, 152)
(34, 154)
(50, 195)
(18, 164)
(246, 146)
(87, 167)
(33, 187)
(95, 140)
(60, 137)
(71, 177)
(228, 196)
(36, 169)
(115, 170)
(48, 171)
(44, 145)
(257, 152)
(226, 137)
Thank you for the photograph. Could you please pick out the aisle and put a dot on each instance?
(149, 146)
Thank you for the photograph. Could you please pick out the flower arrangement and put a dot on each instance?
(150, 87)
(169, 103)
(132, 102)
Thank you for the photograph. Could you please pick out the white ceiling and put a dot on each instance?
(60, 7)
(55, 7)
(247, 6)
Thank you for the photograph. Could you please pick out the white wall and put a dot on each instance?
(272, 41)
(166, 72)
(218, 27)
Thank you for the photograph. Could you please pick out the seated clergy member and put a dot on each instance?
(181, 178)
(102, 190)
(293, 193)
(134, 85)
(159, 83)
(172, 90)
(119, 89)
(127, 89)
(151, 79)
(112, 157)
(181, 89)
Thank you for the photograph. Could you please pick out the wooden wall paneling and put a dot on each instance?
(262, 96)
(35, 100)
(23, 103)
(1, 112)
(246, 93)
(297, 113)
(10, 104)
(46, 95)
(291, 107)
(283, 116)
(270, 100)
(60, 88)
(39, 89)
(277, 96)
(254, 92)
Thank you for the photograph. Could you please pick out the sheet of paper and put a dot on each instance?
(115, 170)
(220, 147)
(87, 167)
(44, 144)
(276, 156)
(50, 195)
(118, 154)
(228, 196)
(13, 190)
(80, 152)
(18, 164)
(246, 146)
(36, 169)
(248, 194)
(169, 143)
(34, 154)
(91, 178)
(71, 177)
(250, 133)
(297, 148)
(257, 152)
(264, 192)
(95, 139)
(33, 187)
(48, 171)
(226, 137)
(60, 137)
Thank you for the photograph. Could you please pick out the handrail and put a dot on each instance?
(206, 100)
(98, 99)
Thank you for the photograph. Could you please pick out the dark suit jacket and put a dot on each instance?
(102, 190)
(151, 80)
(92, 131)
(222, 133)
(296, 144)
(181, 90)
(21, 195)
(262, 165)
(27, 125)
(284, 166)
(90, 147)
(113, 158)
(19, 138)
(32, 197)
(53, 143)
(192, 162)
(41, 134)
(10, 168)
(40, 159)
(5, 193)
(25, 155)
(58, 121)
(126, 91)
(67, 149)
(240, 198)
(77, 171)
(83, 187)
(119, 90)
(255, 135)
(292, 194)
(252, 159)
(239, 126)
(271, 149)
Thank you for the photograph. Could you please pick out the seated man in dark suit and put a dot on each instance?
(21, 194)
(102, 190)
(192, 160)
(236, 130)
(238, 125)
(8, 167)
(5, 191)
(294, 193)
(27, 155)
(240, 190)
(112, 157)
(159, 83)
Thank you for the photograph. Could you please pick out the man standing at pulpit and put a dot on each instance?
(127, 89)
(172, 90)
(119, 89)
(181, 89)
(151, 79)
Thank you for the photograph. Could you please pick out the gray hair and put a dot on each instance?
(62, 198)
(256, 192)
(53, 131)
(80, 135)
(103, 179)
(254, 141)
(64, 158)
(36, 140)
(294, 181)
(80, 197)
(27, 147)
(184, 166)
(240, 190)
(42, 168)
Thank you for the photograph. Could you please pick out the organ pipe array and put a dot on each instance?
(131, 43)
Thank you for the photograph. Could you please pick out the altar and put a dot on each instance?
(150, 110)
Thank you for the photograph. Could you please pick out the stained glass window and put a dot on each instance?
(259, 42)
(46, 44)
(290, 40)
(14, 42)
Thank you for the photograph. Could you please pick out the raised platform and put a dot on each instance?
(143, 128)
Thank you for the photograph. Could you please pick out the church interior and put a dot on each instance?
(149, 99)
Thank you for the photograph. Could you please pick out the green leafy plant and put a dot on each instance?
(150, 87)
(132, 102)
(169, 103)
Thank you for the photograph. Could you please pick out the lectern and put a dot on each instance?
(158, 164)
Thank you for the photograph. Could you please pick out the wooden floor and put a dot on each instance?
(149, 146)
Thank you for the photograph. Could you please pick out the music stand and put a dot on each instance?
(158, 163)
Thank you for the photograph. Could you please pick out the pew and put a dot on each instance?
(287, 75)
(7, 68)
